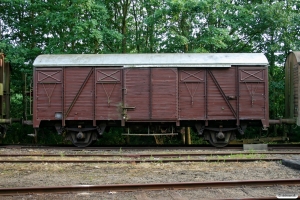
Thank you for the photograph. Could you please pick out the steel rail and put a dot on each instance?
(151, 186)
(146, 161)
(234, 148)
(259, 198)
(120, 148)
(151, 155)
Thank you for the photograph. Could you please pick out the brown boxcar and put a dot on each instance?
(218, 94)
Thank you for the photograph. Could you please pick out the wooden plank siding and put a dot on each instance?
(48, 94)
(152, 94)
(108, 84)
(192, 94)
(164, 94)
(219, 106)
(137, 93)
(78, 105)
(253, 93)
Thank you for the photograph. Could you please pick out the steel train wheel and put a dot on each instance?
(211, 136)
(89, 138)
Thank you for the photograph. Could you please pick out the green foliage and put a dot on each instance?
(276, 92)
(196, 139)
(17, 134)
(113, 137)
(29, 28)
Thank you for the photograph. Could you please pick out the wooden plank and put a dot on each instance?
(136, 93)
(108, 97)
(164, 94)
(192, 94)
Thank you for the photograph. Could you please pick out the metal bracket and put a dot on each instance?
(124, 113)
(149, 134)
(81, 129)
(240, 130)
(128, 108)
(199, 128)
(101, 129)
(59, 129)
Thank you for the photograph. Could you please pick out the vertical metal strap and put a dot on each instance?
(150, 93)
(64, 98)
(238, 96)
(205, 95)
(94, 99)
(124, 92)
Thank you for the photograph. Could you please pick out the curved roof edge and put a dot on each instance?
(152, 60)
(296, 54)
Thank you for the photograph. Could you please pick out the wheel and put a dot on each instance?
(211, 136)
(80, 139)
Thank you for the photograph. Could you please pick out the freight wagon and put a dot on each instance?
(218, 94)
(4, 95)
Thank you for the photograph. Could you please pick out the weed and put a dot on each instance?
(263, 156)
(61, 154)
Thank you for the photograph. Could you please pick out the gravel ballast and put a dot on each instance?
(54, 174)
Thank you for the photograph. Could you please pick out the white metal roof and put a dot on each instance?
(152, 60)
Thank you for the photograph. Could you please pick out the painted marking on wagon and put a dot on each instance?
(51, 76)
(49, 95)
(190, 75)
(192, 92)
(252, 91)
(254, 75)
(108, 95)
(112, 77)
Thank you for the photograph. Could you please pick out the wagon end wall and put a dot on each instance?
(292, 86)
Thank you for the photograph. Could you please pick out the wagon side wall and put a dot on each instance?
(151, 94)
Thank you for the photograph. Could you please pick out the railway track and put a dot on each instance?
(178, 155)
(146, 161)
(152, 186)
(84, 157)
(278, 147)
(143, 158)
